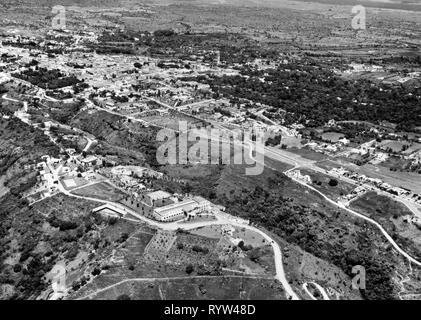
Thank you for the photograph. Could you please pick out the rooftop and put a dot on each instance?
(158, 195)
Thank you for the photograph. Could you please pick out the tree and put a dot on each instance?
(333, 182)
(96, 271)
(17, 268)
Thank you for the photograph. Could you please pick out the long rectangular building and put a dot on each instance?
(179, 210)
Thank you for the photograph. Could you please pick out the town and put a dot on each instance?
(333, 126)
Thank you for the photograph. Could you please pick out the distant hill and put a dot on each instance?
(412, 5)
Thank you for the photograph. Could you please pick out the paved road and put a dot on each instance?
(298, 161)
(89, 144)
(172, 226)
(277, 155)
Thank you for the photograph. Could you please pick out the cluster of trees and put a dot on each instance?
(197, 248)
(103, 49)
(319, 232)
(274, 141)
(66, 111)
(47, 79)
(222, 111)
(63, 225)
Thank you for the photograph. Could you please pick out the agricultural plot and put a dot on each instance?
(394, 146)
(160, 245)
(292, 142)
(101, 190)
(308, 154)
(75, 182)
(406, 180)
(332, 136)
(208, 288)
(375, 205)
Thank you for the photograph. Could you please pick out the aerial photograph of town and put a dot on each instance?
(210, 150)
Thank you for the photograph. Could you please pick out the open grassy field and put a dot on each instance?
(163, 257)
(202, 288)
(332, 136)
(406, 180)
(71, 183)
(395, 146)
(101, 190)
(328, 164)
(277, 165)
(373, 204)
(309, 154)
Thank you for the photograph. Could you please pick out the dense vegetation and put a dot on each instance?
(132, 143)
(47, 79)
(313, 95)
(277, 204)
(34, 239)
(21, 146)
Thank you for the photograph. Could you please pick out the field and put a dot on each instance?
(395, 146)
(172, 121)
(201, 288)
(321, 183)
(101, 190)
(157, 258)
(372, 204)
(328, 164)
(72, 183)
(309, 154)
(395, 163)
(292, 142)
(3, 188)
(332, 136)
(277, 165)
(413, 148)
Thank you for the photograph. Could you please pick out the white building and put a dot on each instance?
(179, 210)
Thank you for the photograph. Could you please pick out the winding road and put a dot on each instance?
(172, 226)
(273, 153)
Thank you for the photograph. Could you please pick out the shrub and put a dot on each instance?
(189, 268)
(333, 182)
(17, 268)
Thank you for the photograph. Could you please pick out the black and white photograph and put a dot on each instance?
(223, 151)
